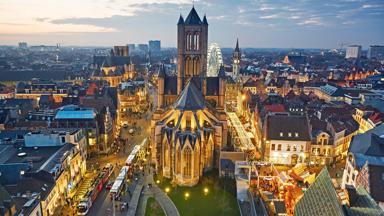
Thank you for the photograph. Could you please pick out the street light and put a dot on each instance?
(186, 195)
(206, 190)
(158, 181)
(167, 190)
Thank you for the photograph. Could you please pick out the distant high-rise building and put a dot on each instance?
(23, 45)
(376, 52)
(120, 51)
(131, 48)
(143, 47)
(154, 46)
(353, 51)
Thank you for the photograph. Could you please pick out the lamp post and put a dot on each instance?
(113, 204)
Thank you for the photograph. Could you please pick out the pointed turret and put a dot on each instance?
(161, 71)
(181, 20)
(193, 18)
(205, 22)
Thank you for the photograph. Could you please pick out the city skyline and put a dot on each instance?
(264, 24)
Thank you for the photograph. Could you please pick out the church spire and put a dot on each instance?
(237, 49)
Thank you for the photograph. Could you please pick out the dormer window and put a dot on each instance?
(290, 134)
(296, 134)
(281, 134)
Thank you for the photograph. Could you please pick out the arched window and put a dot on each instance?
(196, 154)
(178, 159)
(187, 159)
(166, 154)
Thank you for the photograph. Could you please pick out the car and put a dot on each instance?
(109, 185)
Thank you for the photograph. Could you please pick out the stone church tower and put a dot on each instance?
(189, 127)
(192, 45)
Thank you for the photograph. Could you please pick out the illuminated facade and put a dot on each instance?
(189, 127)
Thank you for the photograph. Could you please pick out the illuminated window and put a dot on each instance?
(301, 148)
(288, 148)
(290, 134)
(294, 148)
(273, 146)
(279, 147)
(281, 134)
(296, 134)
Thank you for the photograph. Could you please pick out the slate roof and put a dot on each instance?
(170, 85)
(285, 124)
(190, 99)
(364, 205)
(193, 18)
(320, 199)
(376, 182)
(370, 143)
(212, 86)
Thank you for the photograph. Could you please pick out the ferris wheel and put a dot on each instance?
(214, 60)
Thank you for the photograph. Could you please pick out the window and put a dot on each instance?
(296, 134)
(281, 134)
(290, 134)
(62, 139)
(279, 147)
(288, 148)
(301, 148)
(294, 148)
(273, 147)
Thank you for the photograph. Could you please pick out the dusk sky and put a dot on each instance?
(257, 23)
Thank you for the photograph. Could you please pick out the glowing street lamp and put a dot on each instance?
(158, 181)
(186, 195)
(167, 190)
(206, 190)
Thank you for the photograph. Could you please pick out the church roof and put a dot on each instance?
(190, 99)
(319, 196)
(193, 18)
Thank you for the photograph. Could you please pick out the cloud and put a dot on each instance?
(314, 21)
(368, 6)
(273, 16)
(220, 17)
(42, 19)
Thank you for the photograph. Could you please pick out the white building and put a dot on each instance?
(353, 51)
(287, 139)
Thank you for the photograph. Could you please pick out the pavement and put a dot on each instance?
(154, 191)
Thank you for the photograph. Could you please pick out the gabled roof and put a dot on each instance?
(370, 143)
(193, 18)
(190, 99)
(320, 198)
(284, 127)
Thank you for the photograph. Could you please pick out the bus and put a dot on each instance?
(119, 184)
(134, 154)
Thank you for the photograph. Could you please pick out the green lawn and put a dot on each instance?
(216, 201)
(153, 208)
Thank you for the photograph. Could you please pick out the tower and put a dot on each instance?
(192, 44)
(236, 60)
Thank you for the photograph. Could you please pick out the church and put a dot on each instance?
(189, 127)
